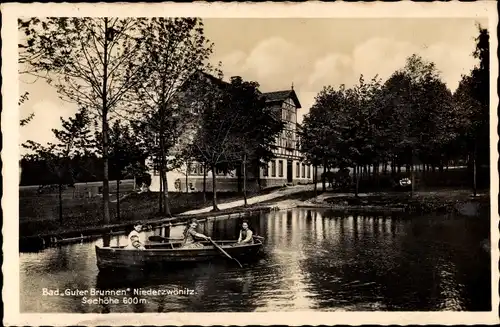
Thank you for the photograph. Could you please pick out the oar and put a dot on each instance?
(158, 238)
(224, 252)
(258, 237)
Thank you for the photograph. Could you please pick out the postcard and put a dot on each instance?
(250, 164)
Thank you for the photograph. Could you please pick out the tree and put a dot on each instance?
(340, 129)
(74, 141)
(26, 120)
(256, 127)
(420, 121)
(317, 136)
(127, 158)
(472, 97)
(91, 61)
(174, 51)
(212, 137)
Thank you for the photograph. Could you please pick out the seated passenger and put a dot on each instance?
(190, 236)
(134, 239)
(246, 235)
(135, 244)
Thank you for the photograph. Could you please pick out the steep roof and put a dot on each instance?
(280, 96)
(275, 97)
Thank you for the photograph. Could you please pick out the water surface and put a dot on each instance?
(313, 260)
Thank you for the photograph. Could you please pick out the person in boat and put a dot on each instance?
(134, 239)
(246, 235)
(191, 236)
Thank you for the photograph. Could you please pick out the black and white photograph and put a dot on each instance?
(179, 162)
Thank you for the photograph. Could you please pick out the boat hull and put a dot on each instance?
(169, 253)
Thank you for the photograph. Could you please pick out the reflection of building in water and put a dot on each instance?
(292, 292)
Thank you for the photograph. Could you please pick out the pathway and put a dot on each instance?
(257, 199)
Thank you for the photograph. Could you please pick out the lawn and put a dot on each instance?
(39, 213)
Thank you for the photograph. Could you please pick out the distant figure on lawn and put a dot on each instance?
(144, 188)
(191, 236)
(340, 178)
(246, 235)
(134, 239)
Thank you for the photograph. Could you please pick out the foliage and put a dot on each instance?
(174, 50)
(23, 98)
(90, 61)
(127, 158)
(74, 140)
(411, 118)
(234, 124)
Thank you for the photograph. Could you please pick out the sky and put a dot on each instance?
(310, 53)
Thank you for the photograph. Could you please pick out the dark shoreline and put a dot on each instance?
(371, 203)
(88, 233)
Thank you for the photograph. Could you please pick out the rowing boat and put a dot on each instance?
(160, 253)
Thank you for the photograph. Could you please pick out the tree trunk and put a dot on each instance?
(160, 194)
(214, 189)
(118, 197)
(239, 178)
(357, 169)
(475, 168)
(257, 173)
(412, 169)
(323, 178)
(204, 183)
(165, 194)
(60, 205)
(187, 178)
(245, 179)
(105, 182)
(315, 180)
(163, 168)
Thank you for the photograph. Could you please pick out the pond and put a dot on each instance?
(312, 260)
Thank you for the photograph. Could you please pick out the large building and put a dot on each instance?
(286, 168)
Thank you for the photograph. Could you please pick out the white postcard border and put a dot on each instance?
(10, 152)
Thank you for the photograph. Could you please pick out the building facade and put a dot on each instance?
(286, 168)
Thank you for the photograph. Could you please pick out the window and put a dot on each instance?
(280, 168)
(297, 170)
(265, 170)
(273, 168)
(309, 171)
(303, 171)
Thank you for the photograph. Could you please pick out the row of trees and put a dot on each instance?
(410, 118)
(141, 91)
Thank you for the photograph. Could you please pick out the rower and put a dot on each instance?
(190, 235)
(246, 235)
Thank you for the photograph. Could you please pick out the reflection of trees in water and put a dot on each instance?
(228, 228)
(397, 263)
(410, 269)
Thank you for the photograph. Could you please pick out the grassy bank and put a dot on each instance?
(39, 213)
(460, 178)
(431, 201)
